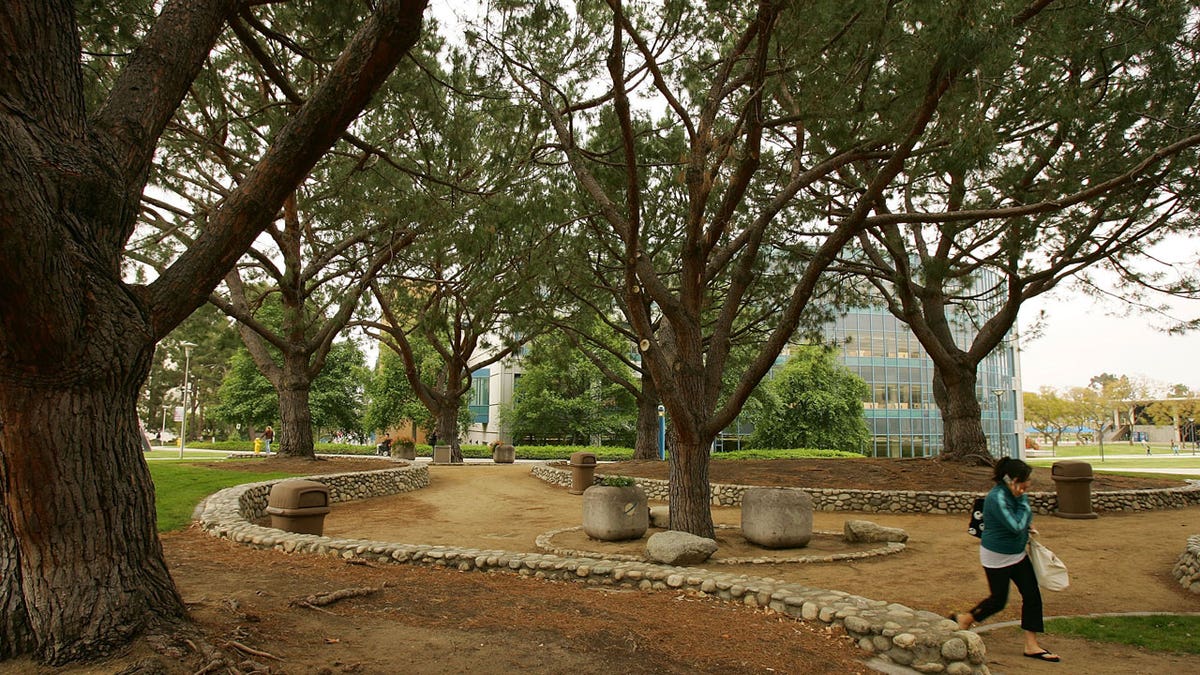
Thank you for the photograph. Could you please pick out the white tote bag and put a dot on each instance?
(1051, 572)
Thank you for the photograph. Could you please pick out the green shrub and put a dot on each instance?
(532, 452)
(551, 452)
(797, 453)
(617, 481)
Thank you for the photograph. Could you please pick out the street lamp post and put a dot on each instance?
(662, 432)
(187, 364)
(162, 431)
(999, 394)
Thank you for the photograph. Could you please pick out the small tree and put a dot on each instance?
(564, 396)
(391, 400)
(1049, 413)
(812, 402)
(246, 396)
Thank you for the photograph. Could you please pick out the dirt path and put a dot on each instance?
(422, 620)
(1118, 562)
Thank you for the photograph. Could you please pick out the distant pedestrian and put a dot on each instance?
(1174, 448)
(1147, 448)
(268, 436)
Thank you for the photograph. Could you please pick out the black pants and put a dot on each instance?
(1031, 597)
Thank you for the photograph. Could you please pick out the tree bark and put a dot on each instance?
(83, 566)
(646, 443)
(295, 414)
(962, 426)
(689, 493)
(447, 429)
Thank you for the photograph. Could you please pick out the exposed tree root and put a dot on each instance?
(323, 599)
(251, 651)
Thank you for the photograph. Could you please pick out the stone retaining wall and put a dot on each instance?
(1187, 570)
(230, 513)
(907, 501)
(918, 639)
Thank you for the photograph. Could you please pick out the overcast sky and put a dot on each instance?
(1082, 339)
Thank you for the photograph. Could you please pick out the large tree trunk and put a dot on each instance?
(295, 415)
(689, 492)
(646, 443)
(962, 426)
(82, 565)
(447, 429)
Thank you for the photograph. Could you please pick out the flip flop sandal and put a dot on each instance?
(1043, 656)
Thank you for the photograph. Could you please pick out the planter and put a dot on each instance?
(615, 513)
(504, 454)
(441, 454)
(777, 517)
(404, 451)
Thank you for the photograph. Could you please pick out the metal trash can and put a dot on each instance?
(1073, 483)
(583, 472)
(298, 506)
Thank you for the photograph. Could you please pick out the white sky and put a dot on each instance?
(1083, 338)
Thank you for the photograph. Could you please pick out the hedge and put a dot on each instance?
(536, 452)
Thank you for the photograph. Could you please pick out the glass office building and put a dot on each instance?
(900, 411)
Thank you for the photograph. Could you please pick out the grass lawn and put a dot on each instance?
(1165, 633)
(1124, 456)
(1111, 449)
(179, 487)
(1180, 462)
(165, 454)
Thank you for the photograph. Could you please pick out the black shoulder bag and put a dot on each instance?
(975, 525)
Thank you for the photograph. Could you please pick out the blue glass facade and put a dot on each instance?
(479, 401)
(900, 410)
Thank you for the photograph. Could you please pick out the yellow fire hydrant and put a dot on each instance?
(258, 445)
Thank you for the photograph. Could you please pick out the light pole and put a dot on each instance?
(187, 364)
(162, 431)
(999, 393)
(662, 432)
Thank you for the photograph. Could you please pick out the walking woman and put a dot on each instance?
(1006, 527)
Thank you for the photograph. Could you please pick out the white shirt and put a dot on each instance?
(989, 558)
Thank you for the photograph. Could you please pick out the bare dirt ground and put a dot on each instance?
(439, 621)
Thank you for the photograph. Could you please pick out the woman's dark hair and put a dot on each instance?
(1013, 469)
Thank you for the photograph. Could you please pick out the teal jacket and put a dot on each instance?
(1006, 520)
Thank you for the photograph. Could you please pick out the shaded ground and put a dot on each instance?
(438, 621)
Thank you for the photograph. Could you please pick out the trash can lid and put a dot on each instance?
(1071, 468)
(291, 494)
(583, 459)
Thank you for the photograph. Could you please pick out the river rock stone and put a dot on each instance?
(679, 548)
(660, 517)
(866, 531)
